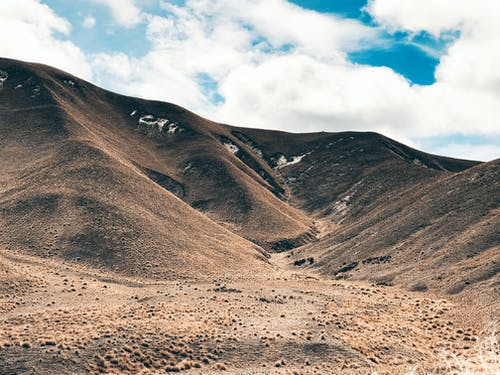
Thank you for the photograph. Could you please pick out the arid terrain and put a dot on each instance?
(59, 319)
(138, 237)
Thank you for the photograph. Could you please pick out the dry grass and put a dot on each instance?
(80, 321)
(485, 358)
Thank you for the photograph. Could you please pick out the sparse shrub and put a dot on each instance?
(221, 367)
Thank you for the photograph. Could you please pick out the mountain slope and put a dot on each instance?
(66, 192)
(171, 144)
(150, 189)
(442, 235)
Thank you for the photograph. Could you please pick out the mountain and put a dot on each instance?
(150, 189)
(137, 237)
(441, 234)
(80, 183)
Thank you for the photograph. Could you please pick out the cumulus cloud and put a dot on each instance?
(30, 30)
(149, 77)
(281, 23)
(433, 16)
(299, 93)
(471, 61)
(124, 12)
(216, 38)
(466, 95)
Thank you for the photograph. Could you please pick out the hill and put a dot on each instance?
(138, 237)
(148, 188)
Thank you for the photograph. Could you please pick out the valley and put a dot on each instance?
(139, 237)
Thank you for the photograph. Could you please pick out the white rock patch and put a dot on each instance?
(36, 91)
(257, 151)
(231, 147)
(147, 120)
(159, 123)
(342, 205)
(283, 162)
(3, 77)
(419, 162)
(174, 128)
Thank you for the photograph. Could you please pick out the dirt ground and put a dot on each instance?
(61, 319)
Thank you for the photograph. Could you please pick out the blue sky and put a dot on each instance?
(421, 71)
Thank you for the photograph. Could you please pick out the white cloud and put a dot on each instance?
(433, 16)
(472, 61)
(218, 37)
(31, 31)
(466, 97)
(149, 77)
(88, 22)
(124, 12)
(299, 93)
(281, 23)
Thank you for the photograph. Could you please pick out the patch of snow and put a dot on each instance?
(187, 167)
(231, 147)
(251, 144)
(69, 82)
(18, 86)
(133, 113)
(281, 161)
(340, 206)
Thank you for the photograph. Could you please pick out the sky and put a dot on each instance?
(424, 72)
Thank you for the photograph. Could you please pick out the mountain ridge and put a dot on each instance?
(263, 190)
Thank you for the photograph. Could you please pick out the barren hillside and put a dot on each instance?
(138, 237)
